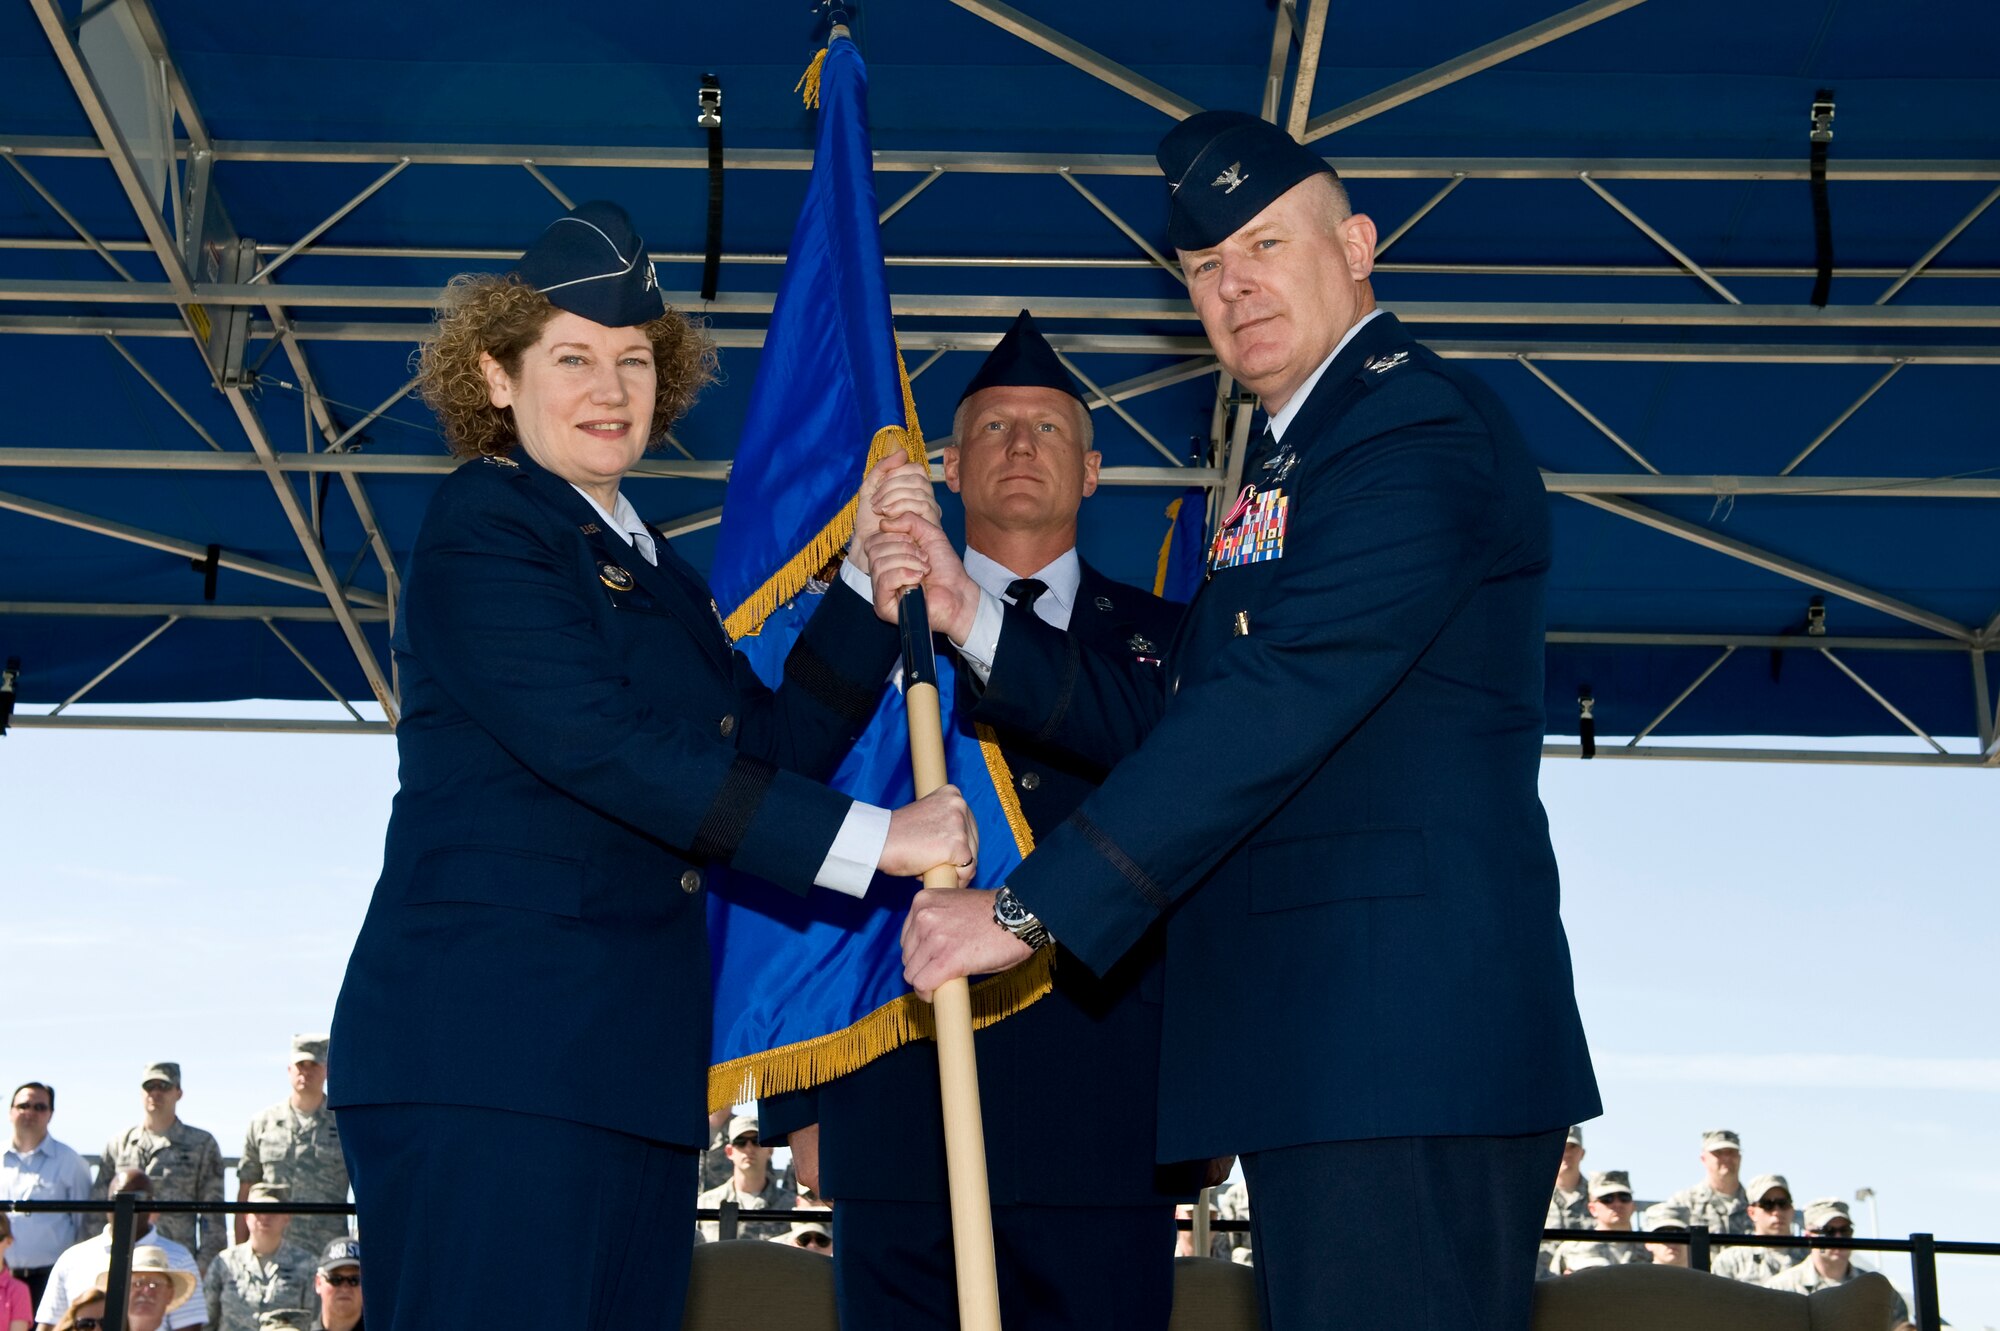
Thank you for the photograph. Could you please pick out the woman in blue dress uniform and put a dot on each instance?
(523, 1033)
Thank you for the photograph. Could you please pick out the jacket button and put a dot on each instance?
(691, 881)
(1030, 780)
(727, 726)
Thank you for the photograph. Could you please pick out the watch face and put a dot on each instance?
(1010, 912)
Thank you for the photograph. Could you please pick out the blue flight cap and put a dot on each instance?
(1024, 359)
(592, 263)
(1222, 169)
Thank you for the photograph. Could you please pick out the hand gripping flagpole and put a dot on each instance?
(958, 1071)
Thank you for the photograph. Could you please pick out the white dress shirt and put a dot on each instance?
(849, 865)
(52, 1172)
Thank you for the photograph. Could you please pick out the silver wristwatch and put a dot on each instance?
(1018, 920)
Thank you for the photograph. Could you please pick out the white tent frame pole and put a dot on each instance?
(1070, 51)
(311, 669)
(1284, 28)
(1587, 414)
(1129, 231)
(1419, 215)
(1681, 697)
(215, 610)
(1659, 238)
(1779, 564)
(528, 165)
(1876, 694)
(1720, 754)
(1312, 41)
(225, 724)
(89, 241)
(1464, 66)
(1981, 707)
(304, 242)
(1843, 418)
(1121, 413)
(881, 218)
(174, 545)
(161, 389)
(1937, 249)
(111, 669)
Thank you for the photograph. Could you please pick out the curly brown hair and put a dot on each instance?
(498, 314)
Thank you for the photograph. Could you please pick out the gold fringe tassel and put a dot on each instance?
(809, 81)
(791, 578)
(1166, 548)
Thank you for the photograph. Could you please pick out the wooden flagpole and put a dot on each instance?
(958, 1071)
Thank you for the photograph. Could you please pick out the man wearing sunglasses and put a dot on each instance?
(751, 1185)
(36, 1167)
(338, 1284)
(184, 1163)
(1829, 1218)
(812, 1235)
(1771, 1214)
(1611, 1213)
(74, 1269)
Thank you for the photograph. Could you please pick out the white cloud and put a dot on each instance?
(1861, 1072)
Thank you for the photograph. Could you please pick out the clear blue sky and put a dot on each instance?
(1800, 953)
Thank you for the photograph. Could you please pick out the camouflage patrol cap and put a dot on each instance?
(1609, 1181)
(169, 1073)
(1575, 1137)
(741, 1124)
(1762, 1184)
(269, 1192)
(1721, 1139)
(1825, 1211)
(307, 1049)
(1667, 1215)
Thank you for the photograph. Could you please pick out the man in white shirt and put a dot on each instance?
(76, 1269)
(36, 1167)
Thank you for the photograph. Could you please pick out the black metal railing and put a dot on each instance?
(1922, 1249)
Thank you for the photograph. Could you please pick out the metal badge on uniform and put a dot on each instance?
(589, 529)
(1279, 465)
(1143, 649)
(499, 461)
(1384, 364)
(1104, 603)
(614, 577)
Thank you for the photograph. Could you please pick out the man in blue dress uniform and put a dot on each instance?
(1083, 1217)
(1328, 793)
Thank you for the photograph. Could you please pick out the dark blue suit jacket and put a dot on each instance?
(1068, 1086)
(1336, 810)
(578, 744)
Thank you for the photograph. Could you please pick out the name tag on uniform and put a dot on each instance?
(1253, 532)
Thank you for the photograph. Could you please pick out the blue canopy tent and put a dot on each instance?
(221, 227)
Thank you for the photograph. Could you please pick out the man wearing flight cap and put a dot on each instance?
(1329, 789)
(524, 1022)
(296, 1145)
(1820, 1267)
(1068, 1085)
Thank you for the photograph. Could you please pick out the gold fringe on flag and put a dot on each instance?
(809, 1063)
(1166, 548)
(809, 81)
(791, 579)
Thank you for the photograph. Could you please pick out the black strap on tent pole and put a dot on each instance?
(1586, 724)
(206, 566)
(7, 680)
(1822, 138)
(710, 119)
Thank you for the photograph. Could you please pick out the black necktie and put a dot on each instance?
(1024, 592)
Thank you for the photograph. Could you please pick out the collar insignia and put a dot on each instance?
(1384, 364)
(499, 461)
(1231, 177)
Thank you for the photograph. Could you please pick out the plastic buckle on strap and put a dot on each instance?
(711, 108)
(1822, 118)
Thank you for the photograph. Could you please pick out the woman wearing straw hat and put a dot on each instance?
(525, 1018)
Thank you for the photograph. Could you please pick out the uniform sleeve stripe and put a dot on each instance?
(808, 670)
(736, 802)
(1149, 890)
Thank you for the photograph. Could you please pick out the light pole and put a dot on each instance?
(1874, 1216)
